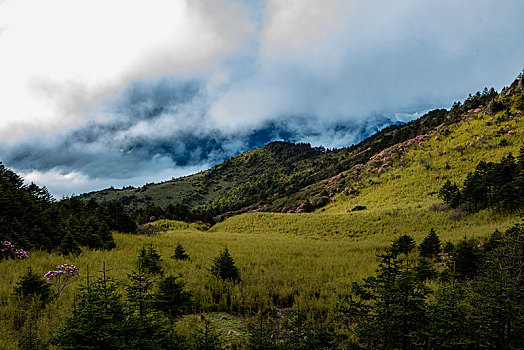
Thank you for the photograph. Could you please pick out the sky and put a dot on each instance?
(98, 93)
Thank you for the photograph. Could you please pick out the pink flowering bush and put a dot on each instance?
(9, 251)
(62, 276)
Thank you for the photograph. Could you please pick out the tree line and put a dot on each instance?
(31, 219)
(491, 185)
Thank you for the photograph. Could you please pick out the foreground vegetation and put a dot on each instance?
(280, 276)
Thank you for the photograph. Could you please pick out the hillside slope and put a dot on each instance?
(396, 189)
(287, 177)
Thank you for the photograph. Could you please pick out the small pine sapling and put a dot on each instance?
(180, 253)
(149, 260)
(224, 267)
(430, 246)
(32, 285)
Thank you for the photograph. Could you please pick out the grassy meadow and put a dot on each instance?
(308, 259)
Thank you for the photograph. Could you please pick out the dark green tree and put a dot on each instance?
(263, 334)
(180, 253)
(138, 291)
(498, 294)
(449, 324)
(149, 260)
(424, 269)
(450, 194)
(69, 245)
(32, 285)
(171, 298)
(98, 320)
(224, 267)
(403, 244)
(303, 333)
(430, 246)
(467, 259)
(390, 307)
(449, 248)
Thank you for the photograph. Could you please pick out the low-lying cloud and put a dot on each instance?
(128, 92)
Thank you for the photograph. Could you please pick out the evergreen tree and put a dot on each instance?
(171, 298)
(424, 269)
(149, 260)
(450, 194)
(263, 334)
(301, 333)
(390, 307)
(69, 245)
(224, 267)
(206, 338)
(467, 259)
(403, 244)
(449, 325)
(33, 285)
(498, 294)
(449, 248)
(98, 320)
(138, 291)
(180, 253)
(430, 246)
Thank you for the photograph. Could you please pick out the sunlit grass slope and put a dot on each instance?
(399, 186)
(276, 270)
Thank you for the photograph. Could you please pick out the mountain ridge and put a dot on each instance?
(287, 177)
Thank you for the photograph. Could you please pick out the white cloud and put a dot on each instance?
(59, 58)
(84, 84)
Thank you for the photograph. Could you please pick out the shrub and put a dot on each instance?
(62, 276)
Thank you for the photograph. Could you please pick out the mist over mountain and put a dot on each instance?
(123, 94)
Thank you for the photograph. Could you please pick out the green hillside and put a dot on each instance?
(297, 258)
(295, 178)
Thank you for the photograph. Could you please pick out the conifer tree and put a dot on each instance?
(263, 334)
(138, 291)
(69, 245)
(180, 253)
(449, 325)
(33, 285)
(404, 244)
(224, 267)
(171, 298)
(149, 260)
(430, 246)
(390, 306)
(98, 320)
(467, 259)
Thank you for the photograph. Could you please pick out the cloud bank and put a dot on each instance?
(96, 93)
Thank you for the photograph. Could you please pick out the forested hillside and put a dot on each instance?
(31, 219)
